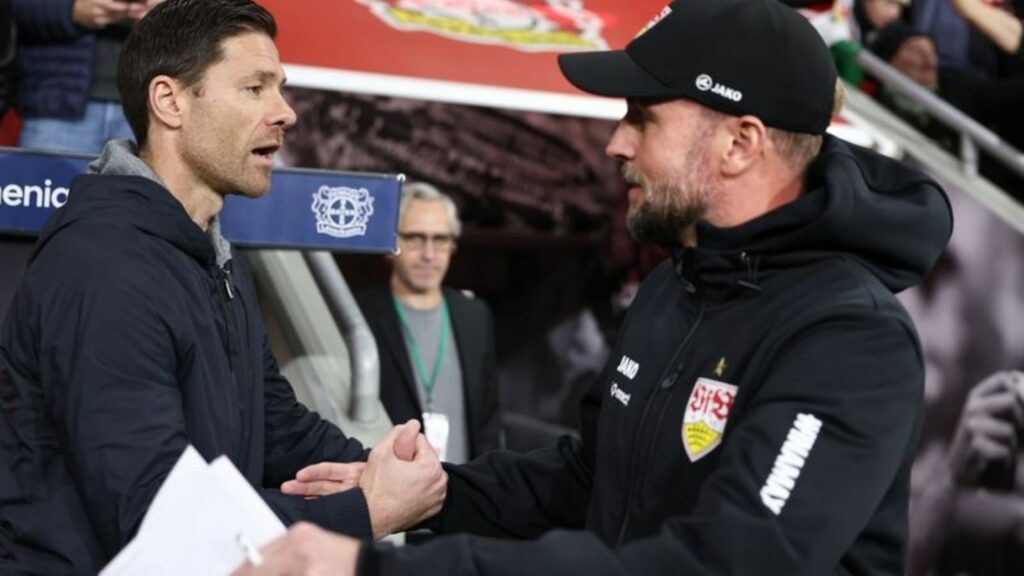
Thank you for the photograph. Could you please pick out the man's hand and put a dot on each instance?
(324, 479)
(402, 493)
(306, 551)
(98, 14)
(987, 433)
(139, 8)
(1002, 27)
(328, 478)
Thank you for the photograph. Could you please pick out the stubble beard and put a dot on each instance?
(225, 174)
(668, 210)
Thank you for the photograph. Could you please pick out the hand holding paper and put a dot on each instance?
(198, 523)
(306, 550)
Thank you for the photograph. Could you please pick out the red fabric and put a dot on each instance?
(10, 126)
(346, 35)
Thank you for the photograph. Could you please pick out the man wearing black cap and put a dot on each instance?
(759, 411)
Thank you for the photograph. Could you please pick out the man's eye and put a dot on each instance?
(254, 90)
(637, 116)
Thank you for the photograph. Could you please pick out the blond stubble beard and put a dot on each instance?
(668, 210)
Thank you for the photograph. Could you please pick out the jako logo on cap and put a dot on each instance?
(705, 83)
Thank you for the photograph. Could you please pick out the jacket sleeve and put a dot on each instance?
(861, 381)
(295, 436)
(345, 512)
(45, 21)
(112, 352)
(514, 495)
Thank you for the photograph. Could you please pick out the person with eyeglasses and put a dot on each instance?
(436, 344)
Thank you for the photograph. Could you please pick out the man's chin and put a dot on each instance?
(252, 191)
(647, 229)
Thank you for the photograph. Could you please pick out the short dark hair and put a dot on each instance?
(180, 39)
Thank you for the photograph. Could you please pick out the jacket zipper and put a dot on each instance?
(224, 278)
(244, 348)
(667, 379)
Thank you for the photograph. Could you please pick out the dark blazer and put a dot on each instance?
(473, 327)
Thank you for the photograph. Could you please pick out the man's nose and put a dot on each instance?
(621, 145)
(283, 115)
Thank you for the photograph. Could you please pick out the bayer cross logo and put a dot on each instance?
(704, 82)
(342, 212)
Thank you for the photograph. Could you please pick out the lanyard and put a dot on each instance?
(442, 345)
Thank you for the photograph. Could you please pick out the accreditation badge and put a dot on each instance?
(707, 412)
(436, 428)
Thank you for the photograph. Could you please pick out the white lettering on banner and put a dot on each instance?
(790, 462)
(620, 395)
(628, 367)
(29, 196)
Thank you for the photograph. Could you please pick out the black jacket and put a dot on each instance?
(124, 343)
(473, 328)
(790, 321)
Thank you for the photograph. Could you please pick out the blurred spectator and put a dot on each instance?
(997, 21)
(437, 361)
(994, 102)
(978, 35)
(873, 15)
(67, 64)
(7, 41)
(971, 493)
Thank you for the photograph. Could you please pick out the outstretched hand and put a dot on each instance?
(328, 478)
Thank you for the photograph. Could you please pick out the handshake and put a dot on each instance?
(402, 480)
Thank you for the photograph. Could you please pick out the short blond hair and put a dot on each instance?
(800, 149)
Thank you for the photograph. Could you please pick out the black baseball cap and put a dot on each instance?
(756, 57)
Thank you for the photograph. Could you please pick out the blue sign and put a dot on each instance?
(305, 209)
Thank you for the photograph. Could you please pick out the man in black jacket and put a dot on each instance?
(436, 345)
(136, 332)
(760, 409)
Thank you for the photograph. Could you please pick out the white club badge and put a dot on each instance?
(707, 412)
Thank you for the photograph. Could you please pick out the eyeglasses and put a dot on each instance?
(419, 240)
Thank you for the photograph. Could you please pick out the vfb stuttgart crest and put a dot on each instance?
(707, 412)
(342, 212)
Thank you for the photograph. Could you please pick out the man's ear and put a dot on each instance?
(167, 101)
(748, 141)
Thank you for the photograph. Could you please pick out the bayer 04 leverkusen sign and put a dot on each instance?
(305, 209)
(497, 53)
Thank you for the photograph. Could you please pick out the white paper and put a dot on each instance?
(193, 525)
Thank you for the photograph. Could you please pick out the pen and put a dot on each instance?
(251, 553)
